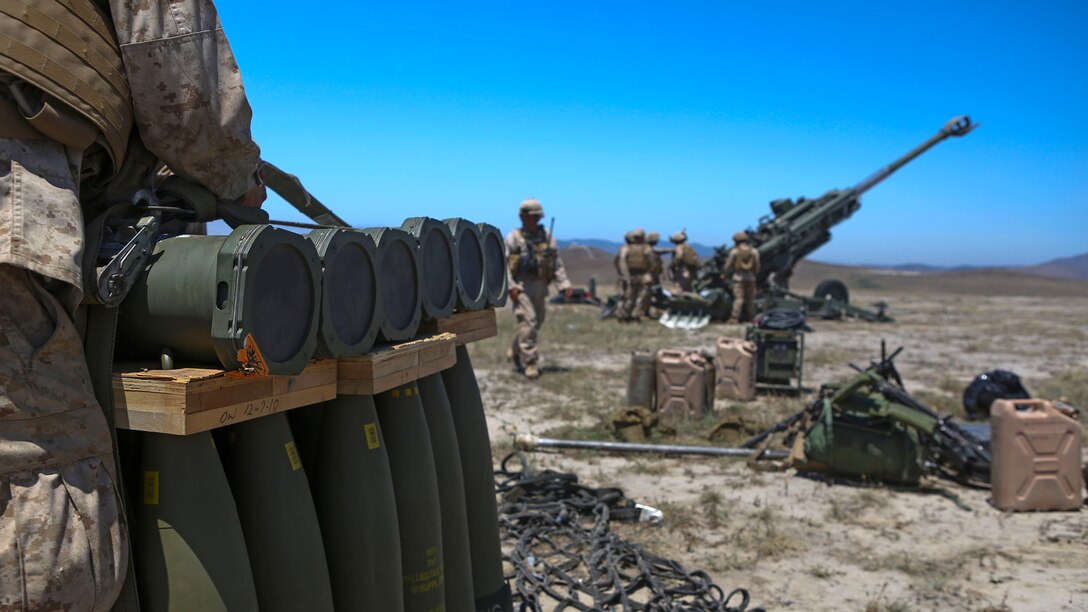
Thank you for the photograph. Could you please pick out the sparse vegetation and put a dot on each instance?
(798, 543)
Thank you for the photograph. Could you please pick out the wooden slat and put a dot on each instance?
(397, 364)
(469, 326)
(192, 400)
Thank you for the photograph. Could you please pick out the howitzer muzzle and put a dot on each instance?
(959, 126)
(212, 298)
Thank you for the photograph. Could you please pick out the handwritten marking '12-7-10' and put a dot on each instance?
(250, 410)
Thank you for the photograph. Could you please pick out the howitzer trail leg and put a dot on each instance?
(474, 445)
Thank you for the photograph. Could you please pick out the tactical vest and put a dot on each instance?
(639, 258)
(746, 259)
(67, 49)
(688, 257)
(537, 261)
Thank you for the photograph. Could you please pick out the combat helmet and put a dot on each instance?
(531, 206)
(740, 237)
(638, 235)
(652, 238)
(679, 237)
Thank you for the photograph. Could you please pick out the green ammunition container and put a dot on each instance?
(494, 264)
(351, 312)
(471, 292)
(438, 264)
(210, 298)
(400, 282)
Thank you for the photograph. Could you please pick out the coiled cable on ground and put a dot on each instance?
(565, 557)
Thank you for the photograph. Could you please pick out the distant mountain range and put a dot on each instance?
(1075, 267)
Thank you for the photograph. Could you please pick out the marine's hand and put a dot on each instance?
(514, 293)
(254, 197)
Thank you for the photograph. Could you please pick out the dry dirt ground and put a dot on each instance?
(799, 543)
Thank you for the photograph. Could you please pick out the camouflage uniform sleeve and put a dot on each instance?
(730, 262)
(561, 280)
(513, 246)
(621, 262)
(190, 106)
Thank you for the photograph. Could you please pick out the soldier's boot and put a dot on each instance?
(532, 372)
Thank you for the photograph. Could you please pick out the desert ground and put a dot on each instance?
(803, 543)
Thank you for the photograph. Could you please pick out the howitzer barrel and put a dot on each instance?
(956, 126)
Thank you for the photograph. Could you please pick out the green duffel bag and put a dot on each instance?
(859, 446)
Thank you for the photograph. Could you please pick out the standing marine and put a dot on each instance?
(743, 264)
(685, 261)
(658, 266)
(635, 261)
(92, 94)
(533, 263)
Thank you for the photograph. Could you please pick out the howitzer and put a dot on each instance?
(793, 230)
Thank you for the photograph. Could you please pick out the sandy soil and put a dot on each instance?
(805, 544)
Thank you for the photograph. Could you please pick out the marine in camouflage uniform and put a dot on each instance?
(636, 260)
(685, 261)
(532, 264)
(169, 71)
(743, 264)
(658, 266)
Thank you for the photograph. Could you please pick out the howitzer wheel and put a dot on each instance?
(834, 290)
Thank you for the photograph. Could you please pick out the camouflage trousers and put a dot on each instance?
(636, 297)
(529, 312)
(63, 541)
(684, 277)
(744, 298)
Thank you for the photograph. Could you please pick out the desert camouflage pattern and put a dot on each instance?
(742, 262)
(63, 541)
(684, 265)
(521, 241)
(190, 106)
(41, 226)
(635, 263)
(530, 307)
(744, 299)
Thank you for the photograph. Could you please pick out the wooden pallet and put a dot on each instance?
(397, 364)
(469, 326)
(191, 400)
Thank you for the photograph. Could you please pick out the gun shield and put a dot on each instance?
(249, 299)
(438, 265)
(351, 313)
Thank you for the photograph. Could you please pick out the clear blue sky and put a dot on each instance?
(684, 114)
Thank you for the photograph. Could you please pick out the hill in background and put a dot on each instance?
(584, 261)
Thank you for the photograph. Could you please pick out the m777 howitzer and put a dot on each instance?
(794, 230)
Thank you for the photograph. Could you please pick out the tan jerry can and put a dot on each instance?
(736, 366)
(685, 385)
(1036, 456)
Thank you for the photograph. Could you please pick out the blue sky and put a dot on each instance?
(685, 114)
